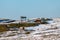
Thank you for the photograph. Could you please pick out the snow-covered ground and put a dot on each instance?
(49, 31)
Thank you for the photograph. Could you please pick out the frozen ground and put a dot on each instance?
(42, 32)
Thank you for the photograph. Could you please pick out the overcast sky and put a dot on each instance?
(13, 9)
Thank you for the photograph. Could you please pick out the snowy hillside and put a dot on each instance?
(49, 31)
